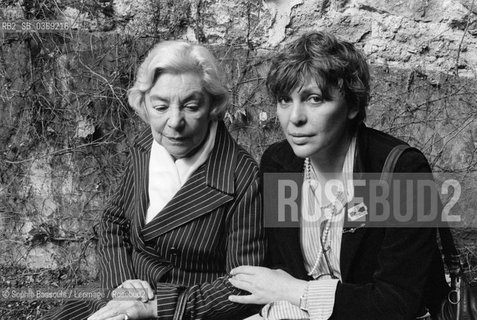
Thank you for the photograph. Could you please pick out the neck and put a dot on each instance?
(331, 161)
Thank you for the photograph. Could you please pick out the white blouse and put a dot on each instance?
(320, 293)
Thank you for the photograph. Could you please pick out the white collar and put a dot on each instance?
(167, 176)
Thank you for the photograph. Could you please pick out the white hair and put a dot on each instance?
(180, 57)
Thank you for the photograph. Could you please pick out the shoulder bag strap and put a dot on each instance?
(390, 163)
(451, 255)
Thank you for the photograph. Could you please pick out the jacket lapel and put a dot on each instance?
(209, 187)
(350, 244)
(140, 162)
(287, 159)
(290, 237)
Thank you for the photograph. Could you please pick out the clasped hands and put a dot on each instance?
(134, 298)
(266, 285)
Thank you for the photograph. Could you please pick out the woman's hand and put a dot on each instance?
(134, 298)
(118, 309)
(134, 289)
(266, 285)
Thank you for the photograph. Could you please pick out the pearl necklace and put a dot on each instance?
(340, 199)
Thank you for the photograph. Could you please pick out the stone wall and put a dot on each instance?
(65, 125)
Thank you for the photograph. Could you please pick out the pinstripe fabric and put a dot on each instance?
(213, 224)
(321, 298)
(176, 172)
(75, 310)
(320, 293)
(311, 230)
(279, 310)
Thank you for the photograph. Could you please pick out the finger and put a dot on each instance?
(146, 289)
(108, 314)
(142, 288)
(100, 313)
(150, 293)
(136, 290)
(125, 294)
(243, 277)
(132, 285)
(246, 270)
(103, 313)
(118, 317)
(249, 299)
(243, 285)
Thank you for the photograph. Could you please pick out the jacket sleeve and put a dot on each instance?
(114, 245)
(245, 246)
(287, 238)
(403, 264)
(398, 284)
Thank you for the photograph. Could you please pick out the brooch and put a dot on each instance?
(358, 212)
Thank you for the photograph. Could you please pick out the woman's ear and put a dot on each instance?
(216, 106)
(352, 112)
(143, 112)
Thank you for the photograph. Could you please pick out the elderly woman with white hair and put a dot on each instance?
(188, 209)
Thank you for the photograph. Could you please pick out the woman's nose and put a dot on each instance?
(298, 114)
(176, 120)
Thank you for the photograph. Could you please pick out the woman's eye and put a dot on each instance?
(315, 99)
(160, 107)
(192, 106)
(283, 100)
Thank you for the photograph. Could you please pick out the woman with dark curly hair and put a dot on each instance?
(322, 268)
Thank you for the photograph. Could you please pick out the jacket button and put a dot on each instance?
(173, 251)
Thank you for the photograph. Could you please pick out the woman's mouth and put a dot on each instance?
(176, 139)
(299, 138)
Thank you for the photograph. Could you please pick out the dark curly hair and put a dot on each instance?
(331, 62)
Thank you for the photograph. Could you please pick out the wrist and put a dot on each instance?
(304, 299)
(151, 306)
(297, 291)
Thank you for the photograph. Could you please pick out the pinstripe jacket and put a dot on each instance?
(213, 224)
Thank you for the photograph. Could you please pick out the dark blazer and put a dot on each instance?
(387, 273)
(213, 224)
